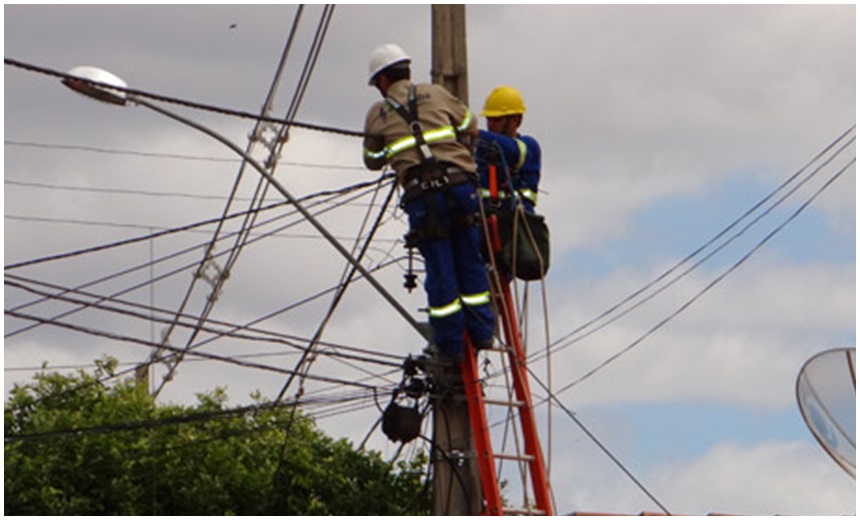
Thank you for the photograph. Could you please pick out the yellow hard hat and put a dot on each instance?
(503, 101)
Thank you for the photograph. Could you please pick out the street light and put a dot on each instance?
(104, 86)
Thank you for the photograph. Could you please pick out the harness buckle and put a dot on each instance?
(435, 183)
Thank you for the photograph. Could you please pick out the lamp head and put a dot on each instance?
(87, 86)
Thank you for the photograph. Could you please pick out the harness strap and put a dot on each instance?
(416, 184)
(411, 117)
(430, 176)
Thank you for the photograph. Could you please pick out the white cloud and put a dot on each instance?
(772, 478)
(742, 342)
(767, 479)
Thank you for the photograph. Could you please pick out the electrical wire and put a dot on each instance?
(184, 418)
(116, 244)
(167, 100)
(268, 316)
(12, 62)
(337, 383)
(218, 328)
(714, 282)
(295, 343)
(260, 192)
(553, 396)
(170, 230)
(269, 335)
(306, 361)
(686, 305)
(114, 151)
(176, 101)
(164, 258)
(132, 340)
(568, 339)
(174, 230)
(111, 245)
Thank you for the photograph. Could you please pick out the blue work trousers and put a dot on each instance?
(455, 271)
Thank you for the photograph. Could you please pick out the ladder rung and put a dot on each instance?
(501, 350)
(524, 511)
(499, 402)
(509, 456)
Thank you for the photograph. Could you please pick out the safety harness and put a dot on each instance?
(428, 178)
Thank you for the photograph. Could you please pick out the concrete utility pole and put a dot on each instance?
(456, 476)
(450, 65)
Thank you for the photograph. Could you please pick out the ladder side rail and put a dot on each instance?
(513, 411)
(481, 432)
(540, 484)
(521, 441)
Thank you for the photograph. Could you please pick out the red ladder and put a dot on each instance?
(520, 406)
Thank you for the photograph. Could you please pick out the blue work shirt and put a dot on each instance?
(517, 163)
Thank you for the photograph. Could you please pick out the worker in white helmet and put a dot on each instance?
(420, 131)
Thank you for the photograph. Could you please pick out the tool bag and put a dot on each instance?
(525, 244)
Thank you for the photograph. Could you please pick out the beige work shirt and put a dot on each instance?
(437, 109)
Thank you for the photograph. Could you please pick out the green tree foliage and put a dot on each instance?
(74, 446)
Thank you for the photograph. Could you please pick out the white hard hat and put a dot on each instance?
(385, 56)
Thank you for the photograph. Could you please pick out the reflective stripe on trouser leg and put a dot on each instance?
(446, 310)
(473, 300)
(440, 280)
(471, 269)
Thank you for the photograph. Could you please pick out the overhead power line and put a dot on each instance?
(60, 256)
(817, 171)
(162, 276)
(307, 359)
(185, 418)
(615, 312)
(712, 284)
(216, 327)
(85, 366)
(155, 155)
(182, 102)
(160, 229)
(114, 296)
(263, 185)
(214, 357)
(336, 352)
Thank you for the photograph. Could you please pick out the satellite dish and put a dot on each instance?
(827, 396)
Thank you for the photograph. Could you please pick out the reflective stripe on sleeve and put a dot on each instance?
(467, 120)
(523, 151)
(405, 143)
(528, 195)
(375, 155)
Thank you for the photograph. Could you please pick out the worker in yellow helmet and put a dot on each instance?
(516, 157)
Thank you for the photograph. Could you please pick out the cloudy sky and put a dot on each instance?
(660, 127)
